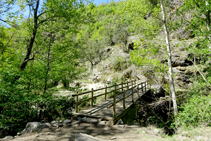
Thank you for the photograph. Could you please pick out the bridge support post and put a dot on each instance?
(106, 92)
(145, 87)
(114, 104)
(122, 86)
(127, 85)
(135, 83)
(76, 104)
(124, 99)
(149, 85)
(132, 92)
(92, 100)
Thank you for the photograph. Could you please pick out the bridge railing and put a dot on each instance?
(144, 87)
(116, 89)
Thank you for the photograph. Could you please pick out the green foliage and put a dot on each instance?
(119, 64)
(120, 34)
(195, 112)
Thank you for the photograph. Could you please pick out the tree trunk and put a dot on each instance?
(30, 46)
(207, 16)
(48, 65)
(171, 81)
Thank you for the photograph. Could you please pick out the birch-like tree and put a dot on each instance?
(171, 80)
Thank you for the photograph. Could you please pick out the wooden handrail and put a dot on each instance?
(116, 88)
(101, 89)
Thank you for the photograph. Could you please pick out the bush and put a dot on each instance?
(196, 111)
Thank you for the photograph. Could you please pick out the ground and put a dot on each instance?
(116, 133)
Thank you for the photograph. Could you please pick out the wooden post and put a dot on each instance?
(92, 100)
(127, 85)
(132, 84)
(150, 86)
(105, 92)
(122, 86)
(142, 88)
(132, 93)
(124, 99)
(76, 104)
(114, 104)
(145, 87)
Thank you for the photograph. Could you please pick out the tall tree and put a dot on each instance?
(171, 80)
(149, 21)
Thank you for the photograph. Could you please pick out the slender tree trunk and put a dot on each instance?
(48, 65)
(208, 20)
(208, 16)
(30, 46)
(171, 81)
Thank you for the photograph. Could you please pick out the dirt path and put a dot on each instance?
(114, 133)
(117, 133)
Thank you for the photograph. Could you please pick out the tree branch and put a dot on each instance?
(201, 74)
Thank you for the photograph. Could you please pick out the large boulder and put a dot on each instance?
(85, 137)
(180, 59)
(34, 127)
(7, 138)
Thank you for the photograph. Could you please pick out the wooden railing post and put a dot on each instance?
(127, 85)
(92, 100)
(114, 104)
(105, 92)
(122, 86)
(76, 104)
(132, 84)
(145, 87)
(132, 92)
(124, 99)
(149, 85)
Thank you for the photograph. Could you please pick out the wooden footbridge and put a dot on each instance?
(116, 100)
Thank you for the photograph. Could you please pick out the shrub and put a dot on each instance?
(196, 111)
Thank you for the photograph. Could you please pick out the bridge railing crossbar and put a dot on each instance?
(117, 89)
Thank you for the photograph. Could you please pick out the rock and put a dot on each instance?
(107, 128)
(108, 49)
(34, 127)
(112, 138)
(56, 124)
(182, 34)
(184, 133)
(156, 131)
(130, 46)
(102, 123)
(89, 120)
(180, 59)
(7, 138)
(109, 123)
(85, 137)
(120, 122)
(66, 122)
(201, 138)
(77, 84)
(144, 132)
(122, 126)
(48, 124)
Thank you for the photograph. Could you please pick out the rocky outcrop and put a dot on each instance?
(7, 138)
(180, 59)
(34, 127)
(85, 137)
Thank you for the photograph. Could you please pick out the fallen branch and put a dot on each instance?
(201, 74)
